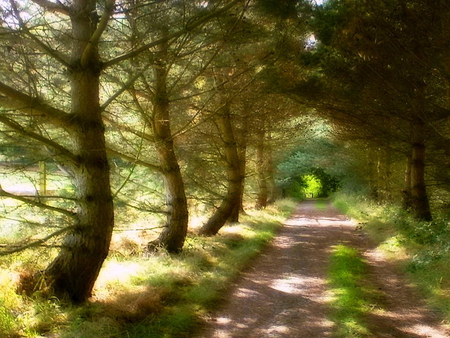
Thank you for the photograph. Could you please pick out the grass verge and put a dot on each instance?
(352, 295)
(159, 295)
(421, 249)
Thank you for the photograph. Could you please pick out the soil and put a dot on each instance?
(284, 292)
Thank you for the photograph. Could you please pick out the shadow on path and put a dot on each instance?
(284, 293)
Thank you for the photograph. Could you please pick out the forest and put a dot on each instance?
(145, 130)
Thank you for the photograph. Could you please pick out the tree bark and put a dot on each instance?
(242, 153)
(419, 197)
(174, 234)
(75, 270)
(234, 177)
(406, 198)
(445, 22)
(263, 190)
(271, 186)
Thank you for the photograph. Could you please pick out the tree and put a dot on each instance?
(57, 36)
(378, 61)
(232, 198)
(86, 244)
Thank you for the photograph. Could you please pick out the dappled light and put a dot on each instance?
(155, 153)
(287, 294)
(295, 284)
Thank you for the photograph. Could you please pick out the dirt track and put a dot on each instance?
(284, 293)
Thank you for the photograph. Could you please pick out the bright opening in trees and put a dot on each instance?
(313, 186)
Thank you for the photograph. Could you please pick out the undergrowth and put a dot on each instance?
(137, 295)
(422, 249)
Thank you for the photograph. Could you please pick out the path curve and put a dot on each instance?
(284, 293)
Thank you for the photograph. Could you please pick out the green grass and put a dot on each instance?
(321, 204)
(421, 249)
(353, 298)
(160, 295)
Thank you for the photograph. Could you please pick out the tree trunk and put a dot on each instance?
(407, 199)
(445, 22)
(234, 177)
(76, 268)
(419, 198)
(174, 234)
(263, 190)
(242, 153)
(384, 173)
(271, 186)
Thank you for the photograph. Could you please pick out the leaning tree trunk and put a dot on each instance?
(75, 270)
(174, 234)
(420, 207)
(234, 177)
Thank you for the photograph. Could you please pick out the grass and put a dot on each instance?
(421, 249)
(158, 295)
(353, 297)
(321, 204)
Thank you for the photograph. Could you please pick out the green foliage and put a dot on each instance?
(317, 158)
(422, 248)
(7, 322)
(328, 18)
(295, 189)
(283, 9)
(313, 185)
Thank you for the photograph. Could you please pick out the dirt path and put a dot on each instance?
(284, 294)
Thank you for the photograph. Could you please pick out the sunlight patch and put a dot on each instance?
(426, 331)
(294, 284)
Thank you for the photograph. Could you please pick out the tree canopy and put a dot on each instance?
(140, 114)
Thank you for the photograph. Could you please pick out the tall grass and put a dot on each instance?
(143, 295)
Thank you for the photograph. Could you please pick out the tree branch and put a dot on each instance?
(52, 7)
(36, 203)
(125, 86)
(189, 27)
(95, 38)
(37, 242)
(134, 160)
(21, 101)
(42, 46)
(61, 151)
(124, 127)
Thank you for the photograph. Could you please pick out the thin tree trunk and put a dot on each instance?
(384, 174)
(407, 199)
(234, 177)
(271, 186)
(242, 153)
(75, 270)
(445, 22)
(263, 192)
(419, 197)
(174, 234)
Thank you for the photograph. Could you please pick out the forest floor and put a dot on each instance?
(284, 293)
